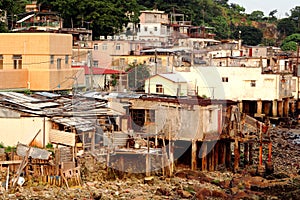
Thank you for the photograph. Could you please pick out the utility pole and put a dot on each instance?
(155, 62)
(89, 60)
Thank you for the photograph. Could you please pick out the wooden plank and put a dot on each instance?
(62, 137)
(10, 162)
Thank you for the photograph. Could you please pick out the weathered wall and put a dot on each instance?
(23, 130)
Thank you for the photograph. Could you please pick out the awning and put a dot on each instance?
(25, 18)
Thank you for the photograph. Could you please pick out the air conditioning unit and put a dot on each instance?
(135, 38)
(122, 37)
(129, 37)
(116, 37)
(109, 37)
(102, 37)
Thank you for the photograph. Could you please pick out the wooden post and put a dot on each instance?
(216, 154)
(286, 106)
(228, 154)
(194, 155)
(270, 152)
(212, 159)
(280, 108)
(246, 153)
(204, 154)
(93, 141)
(223, 152)
(171, 151)
(236, 155)
(274, 108)
(260, 154)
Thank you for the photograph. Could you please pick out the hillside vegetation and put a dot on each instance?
(107, 17)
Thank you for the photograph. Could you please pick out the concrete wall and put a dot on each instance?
(169, 87)
(239, 84)
(36, 50)
(23, 130)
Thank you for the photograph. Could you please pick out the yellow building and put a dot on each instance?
(37, 61)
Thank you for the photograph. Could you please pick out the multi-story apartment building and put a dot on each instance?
(37, 61)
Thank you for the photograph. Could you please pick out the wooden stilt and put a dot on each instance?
(223, 152)
(260, 154)
(194, 155)
(212, 159)
(270, 152)
(236, 155)
(216, 155)
(204, 156)
(228, 154)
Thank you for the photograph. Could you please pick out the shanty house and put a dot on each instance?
(171, 84)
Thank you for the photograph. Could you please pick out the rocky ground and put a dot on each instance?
(284, 183)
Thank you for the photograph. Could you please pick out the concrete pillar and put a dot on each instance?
(240, 105)
(293, 106)
(266, 108)
(274, 108)
(194, 155)
(216, 154)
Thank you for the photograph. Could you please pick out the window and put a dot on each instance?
(67, 59)
(159, 62)
(145, 28)
(51, 59)
(210, 116)
(58, 63)
(95, 63)
(17, 61)
(155, 28)
(118, 46)
(96, 47)
(122, 62)
(159, 88)
(253, 83)
(1, 61)
(104, 47)
(224, 79)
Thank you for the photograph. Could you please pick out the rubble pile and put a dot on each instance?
(286, 150)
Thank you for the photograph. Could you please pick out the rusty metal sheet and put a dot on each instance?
(34, 152)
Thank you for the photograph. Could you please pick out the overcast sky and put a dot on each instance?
(282, 6)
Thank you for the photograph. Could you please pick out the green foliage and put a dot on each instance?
(286, 27)
(9, 149)
(1, 145)
(222, 28)
(137, 74)
(289, 46)
(49, 146)
(249, 35)
(256, 15)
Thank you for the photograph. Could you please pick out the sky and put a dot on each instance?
(282, 6)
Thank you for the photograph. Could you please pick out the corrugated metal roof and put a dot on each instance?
(176, 78)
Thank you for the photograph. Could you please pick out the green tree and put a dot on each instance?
(295, 16)
(286, 27)
(137, 73)
(290, 42)
(249, 35)
(104, 17)
(222, 28)
(256, 15)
